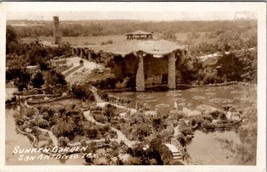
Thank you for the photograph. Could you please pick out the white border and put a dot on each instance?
(258, 7)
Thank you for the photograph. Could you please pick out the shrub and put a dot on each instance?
(133, 161)
(100, 117)
(109, 42)
(38, 80)
(81, 62)
(215, 114)
(82, 92)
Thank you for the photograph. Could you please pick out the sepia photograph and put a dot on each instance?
(123, 88)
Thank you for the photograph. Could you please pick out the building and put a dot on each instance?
(139, 35)
(150, 62)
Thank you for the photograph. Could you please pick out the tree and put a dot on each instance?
(64, 127)
(11, 39)
(56, 78)
(169, 36)
(38, 80)
(81, 62)
(82, 92)
(11, 34)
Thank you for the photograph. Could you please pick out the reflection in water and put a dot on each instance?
(207, 148)
(215, 96)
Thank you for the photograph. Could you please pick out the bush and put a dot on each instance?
(133, 161)
(100, 117)
(82, 92)
(109, 42)
(81, 62)
(215, 114)
(38, 80)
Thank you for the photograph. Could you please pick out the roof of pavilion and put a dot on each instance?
(153, 47)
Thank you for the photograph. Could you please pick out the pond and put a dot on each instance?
(205, 149)
(208, 148)
(14, 139)
(9, 92)
(239, 96)
(202, 146)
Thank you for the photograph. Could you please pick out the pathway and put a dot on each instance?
(78, 72)
(51, 135)
(102, 103)
(178, 151)
(120, 135)
(205, 57)
(97, 97)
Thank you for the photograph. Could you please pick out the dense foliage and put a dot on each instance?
(82, 92)
(235, 66)
(28, 64)
(114, 27)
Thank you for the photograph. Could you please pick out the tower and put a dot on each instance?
(57, 33)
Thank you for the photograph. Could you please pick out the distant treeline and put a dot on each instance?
(27, 28)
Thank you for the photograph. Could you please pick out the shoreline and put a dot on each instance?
(95, 91)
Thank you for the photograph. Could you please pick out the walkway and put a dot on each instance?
(205, 57)
(102, 103)
(78, 72)
(51, 135)
(178, 151)
(120, 135)
(97, 97)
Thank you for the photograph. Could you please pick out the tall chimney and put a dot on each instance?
(57, 33)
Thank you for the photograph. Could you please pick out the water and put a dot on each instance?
(202, 146)
(205, 149)
(10, 91)
(208, 149)
(14, 139)
(237, 95)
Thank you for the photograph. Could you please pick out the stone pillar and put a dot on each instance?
(89, 55)
(81, 52)
(171, 71)
(182, 56)
(140, 77)
(73, 51)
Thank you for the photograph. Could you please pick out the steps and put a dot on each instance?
(176, 155)
(67, 73)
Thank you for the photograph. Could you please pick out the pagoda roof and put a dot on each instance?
(153, 47)
(158, 48)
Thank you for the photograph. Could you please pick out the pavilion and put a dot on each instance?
(149, 61)
(139, 35)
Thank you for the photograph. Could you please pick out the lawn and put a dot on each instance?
(81, 40)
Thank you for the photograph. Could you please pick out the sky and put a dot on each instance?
(143, 16)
